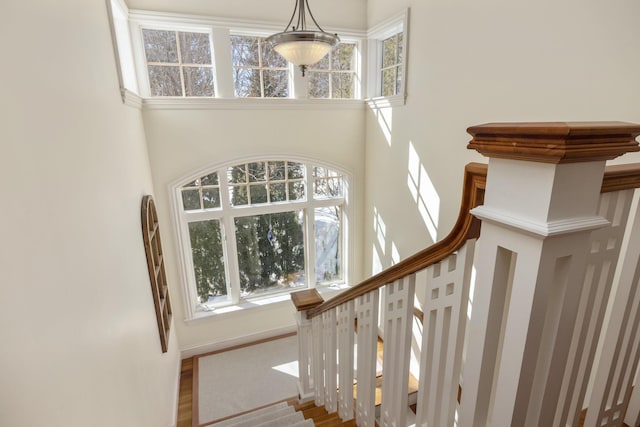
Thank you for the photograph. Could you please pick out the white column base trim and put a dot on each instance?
(540, 229)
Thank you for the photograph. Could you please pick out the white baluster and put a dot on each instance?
(605, 245)
(318, 358)
(346, 317)
(398, 320)
(330, 364)
(445, 313)
(367, 339)
(620, 347)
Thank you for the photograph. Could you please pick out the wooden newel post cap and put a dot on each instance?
(555, 142)
(306, 300)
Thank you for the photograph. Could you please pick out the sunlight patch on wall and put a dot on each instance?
(380, 242)
(423, 192)
(395, 255)
(384, 113)
(380, 230)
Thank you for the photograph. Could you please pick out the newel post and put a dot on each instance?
(540, 206)
(304, 301)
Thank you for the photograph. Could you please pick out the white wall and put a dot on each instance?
(79, 341)
(184, 141)
(475, 62)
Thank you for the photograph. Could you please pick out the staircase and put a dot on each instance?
(556, 253)
(278, 415)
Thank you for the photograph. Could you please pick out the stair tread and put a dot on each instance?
(249, 418)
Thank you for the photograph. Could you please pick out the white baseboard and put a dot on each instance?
(246, 339)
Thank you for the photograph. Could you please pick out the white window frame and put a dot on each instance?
(375, 36)
(226, 214)
(290, 68)
(357, 70)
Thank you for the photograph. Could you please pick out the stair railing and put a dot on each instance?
(531, 348)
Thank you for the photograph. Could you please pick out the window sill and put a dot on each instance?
(261, 303)
(178, 103)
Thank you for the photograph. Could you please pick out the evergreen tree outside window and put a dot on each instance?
(251, 228)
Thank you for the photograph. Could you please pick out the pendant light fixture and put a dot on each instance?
(299, 45)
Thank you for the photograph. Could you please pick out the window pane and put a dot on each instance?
(164, 81)
(211, 179)
(237, 174)
(211, 198)
(247, 82)
(296, 190)
(258, 193)
(195, 48)
(160, 46)
(277, 170)
(323, 64)
(256, 172)
(389, 82)
(198, 81)
(208, 259)
(278, 192)
(238, 195)
(276, 83)
(389, 52)
(190, 200)
(342, 56)
(400, 52)
(398, 79)
(271, 58)
(295, 170)
(244, 51)
(270, 252)
(328, 188)
(318, 84)
(327, 240)
(342, 85)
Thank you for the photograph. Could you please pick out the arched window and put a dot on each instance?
(258, 228)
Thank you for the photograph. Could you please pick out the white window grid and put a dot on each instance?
(331, 71)
(228, 213)
(262, 68)
(180, 63)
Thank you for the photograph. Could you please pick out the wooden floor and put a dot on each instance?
(185, 400)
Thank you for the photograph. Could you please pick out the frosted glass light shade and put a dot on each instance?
(303, 47)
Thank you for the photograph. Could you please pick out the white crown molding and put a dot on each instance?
(250, 104)
(234, 24)
(540, 229)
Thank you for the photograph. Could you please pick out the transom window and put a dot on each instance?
(258, 70)
(335, 75)
(392, 60)
(178, 63)
(261, 228)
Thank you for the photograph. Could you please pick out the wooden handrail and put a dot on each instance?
(466, 227)
(616, 178)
